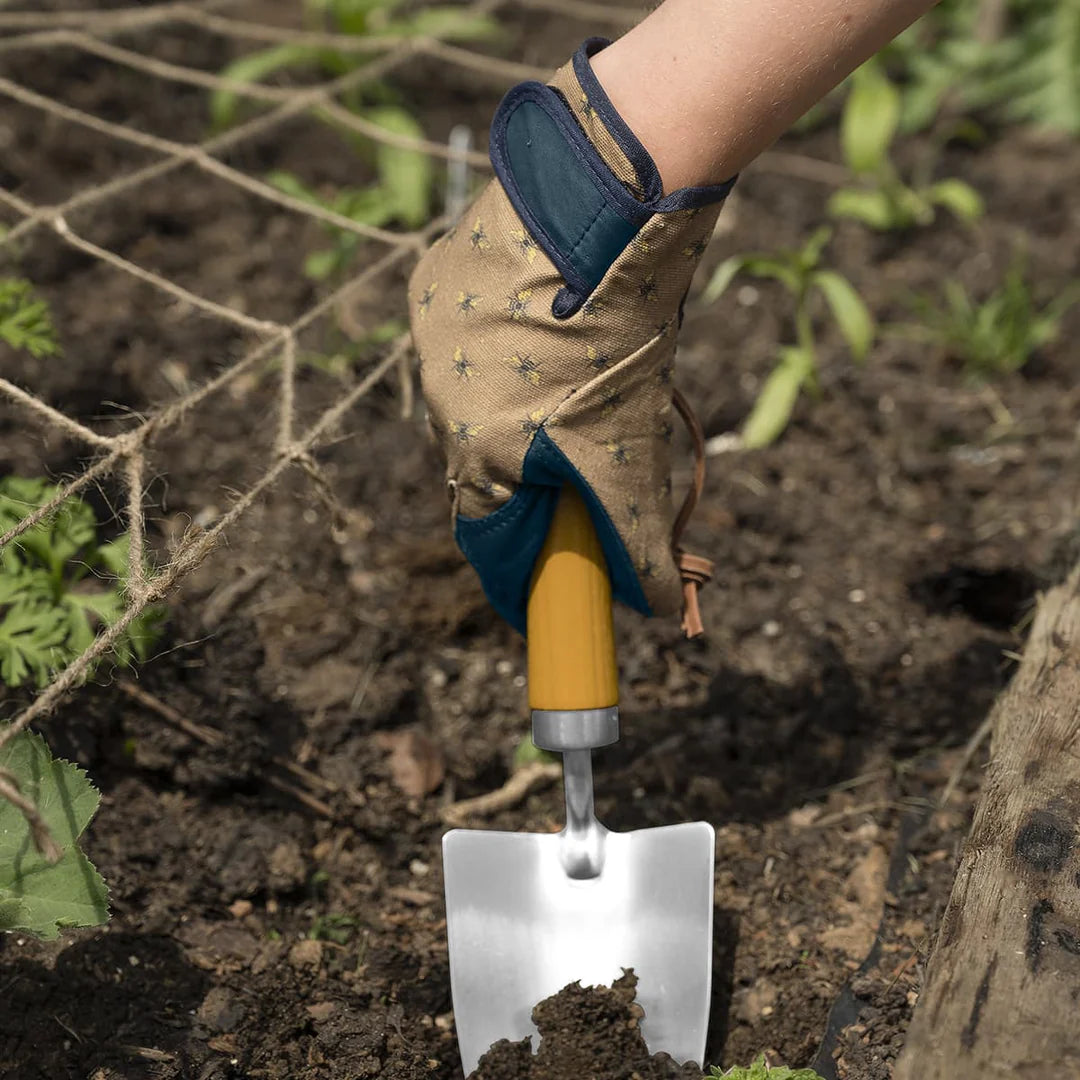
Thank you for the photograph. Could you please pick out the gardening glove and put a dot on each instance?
(545, 324)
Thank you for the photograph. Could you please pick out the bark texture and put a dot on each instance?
(1002, 991)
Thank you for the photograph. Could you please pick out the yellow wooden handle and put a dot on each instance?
(571, 638)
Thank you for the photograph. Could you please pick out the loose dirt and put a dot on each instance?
(875, 569)
(592, 1031)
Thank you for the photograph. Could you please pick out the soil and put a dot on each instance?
(584, 1031)
(875, 571)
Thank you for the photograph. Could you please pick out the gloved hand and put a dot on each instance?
(545, 324)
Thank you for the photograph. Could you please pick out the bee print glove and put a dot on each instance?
(545, 324)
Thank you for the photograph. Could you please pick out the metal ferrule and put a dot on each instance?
(560, 730)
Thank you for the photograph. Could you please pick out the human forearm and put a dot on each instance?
(708, 84)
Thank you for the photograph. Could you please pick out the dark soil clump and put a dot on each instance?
(585, 1031)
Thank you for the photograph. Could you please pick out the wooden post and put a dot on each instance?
(1002, 990)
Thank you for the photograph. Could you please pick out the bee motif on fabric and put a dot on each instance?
(462, 365)
(665, 489)
(526, 367)
(666, 374)
(696, 249)
(424, 303)
(596, 359)
(646, 568)
(488, 487)
(593, 306)
(478, 237)
(518, 305)
(665, 431)
(525, 244)
(620, 453)
(533, 423)
(610, 402)
(466, 302)
(633, 513)
(463, 430)
(586, 109)
(648, 288)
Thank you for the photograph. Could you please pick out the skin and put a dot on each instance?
(707, 85)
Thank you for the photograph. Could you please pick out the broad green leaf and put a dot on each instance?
(776, 401)
(405, 176)
(870, 118)
(36, 896)
(871, 207)
(959, 198)
(254, 68)
(851, 314)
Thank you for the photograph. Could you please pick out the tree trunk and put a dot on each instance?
(1002, 991)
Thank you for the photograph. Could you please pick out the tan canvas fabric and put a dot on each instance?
(496, 365)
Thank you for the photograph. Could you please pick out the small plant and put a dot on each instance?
(761, 1070)
(401, 193)
(25, 322)
(997, 336)
(58, 583)
(796, 367)
(47, 887)
(883, 200)
(336, 928)
(405, 180)
(356, 18)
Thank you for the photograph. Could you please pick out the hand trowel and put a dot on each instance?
(527, 914)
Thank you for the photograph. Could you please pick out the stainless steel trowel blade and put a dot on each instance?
(520, 929)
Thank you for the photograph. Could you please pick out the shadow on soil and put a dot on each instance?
(122, 1001)
(760, 748)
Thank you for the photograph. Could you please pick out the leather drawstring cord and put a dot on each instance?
(695, 570)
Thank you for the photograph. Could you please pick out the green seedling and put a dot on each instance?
(25, 322)
(336, 928)
(401, 194)
(761, 1070)
(883, 200)
(1041, 85)
(361, 20)
(59, 584)
(995, 337)
(801, 274)
(45, 891)
(405, 178)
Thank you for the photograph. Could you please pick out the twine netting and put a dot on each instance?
(122, 457)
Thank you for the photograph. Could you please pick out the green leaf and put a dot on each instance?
(36, 896)
(722, 277)
(254, 68)
(810, 254)
(527, 752)
(851, 314)
(872, 207)
(959, 198)
(759, 1070)
(448, 23)
(775, 403)
(32, 638)
(406, 177)
(25, 323)
(870, 118)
